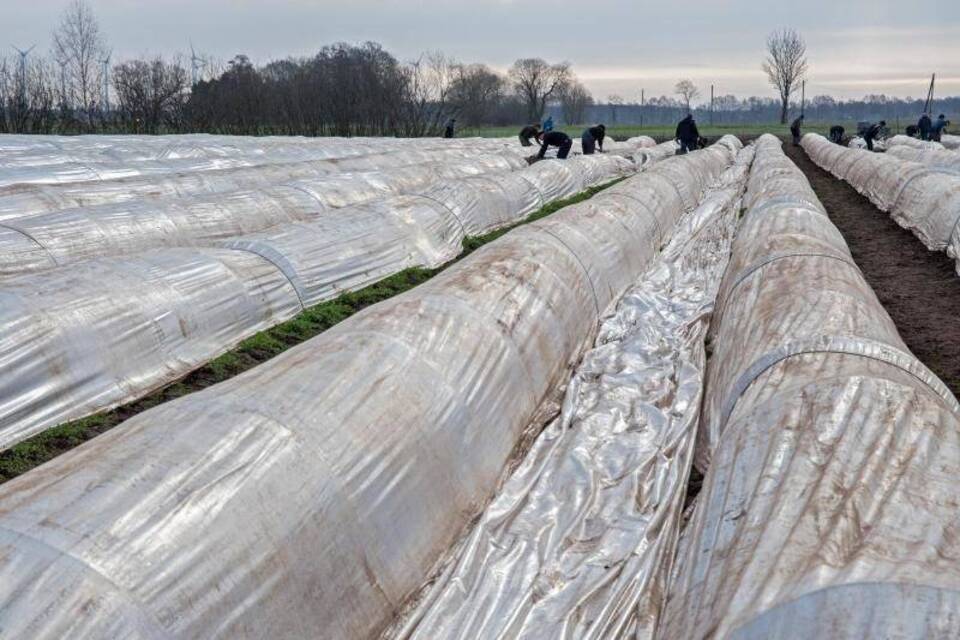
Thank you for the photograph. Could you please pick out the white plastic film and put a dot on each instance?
(579, 540)
(924, 199)
(829, 503)
(315, 493)
(341, 250)
(914, 143)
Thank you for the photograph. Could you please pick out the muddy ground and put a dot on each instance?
(919, 288)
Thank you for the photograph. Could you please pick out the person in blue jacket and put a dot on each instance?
(548, 124)
(936, 130)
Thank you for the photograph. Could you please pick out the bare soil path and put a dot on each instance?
(919, 288)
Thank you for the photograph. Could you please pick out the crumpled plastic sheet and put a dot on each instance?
(341, 250)
(64, 167)
(579, 540)
(62, 237)
(944, 160)
(314, 493)
(913, 143)
(31, 199)
(950, 142)
(828, 509)
(921, 198)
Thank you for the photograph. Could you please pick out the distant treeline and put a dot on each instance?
(732, 110)
(344, 90)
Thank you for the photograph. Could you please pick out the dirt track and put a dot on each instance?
(919, 288)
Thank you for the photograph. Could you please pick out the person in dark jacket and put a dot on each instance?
(836, 134)
(873, 132)
(528, 132)
(592, 139)
(795, 130)
(448, 131)
(687, 135)
(936, 130)
(554, 139)
(923, 126)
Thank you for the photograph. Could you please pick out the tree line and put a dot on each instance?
(358, 89)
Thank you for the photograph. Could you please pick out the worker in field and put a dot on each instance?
(527, 133)
(836, 134)
(548, 124)
(923, 126)
(592, 139)
(450, 129)
(687, 135)
(795, 130)
(873, 132)
(936, 131)
(557, 139)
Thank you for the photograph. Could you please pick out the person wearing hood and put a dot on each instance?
(448, 130)
(687, 134)
(936, 130)
(592, 139)
(527, 133)
(923, 126)
(795, 130)
(548, 124)
(873, 132)
(557, 139)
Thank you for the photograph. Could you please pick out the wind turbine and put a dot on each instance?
(23, 71)
(105, 91)
(195, 65)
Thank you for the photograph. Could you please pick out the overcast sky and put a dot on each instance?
(616, 46)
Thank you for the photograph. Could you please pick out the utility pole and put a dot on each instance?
(928, 105)
(642, 104)
(711, 105)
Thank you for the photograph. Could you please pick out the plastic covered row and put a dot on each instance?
(939, 159)
(62, 237)
(93, 356)
(829, 504)
(318, 490)
(25, 200)
(921, 198)
(913, 143)
(579, 539)
(73, 171)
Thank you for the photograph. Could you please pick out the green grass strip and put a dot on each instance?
(249, 353)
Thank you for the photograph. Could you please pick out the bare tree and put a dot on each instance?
(536, 82)
(475, 92)
(687, 92)
(151, 93)
(785, 65)
(614, 101)
(574, 101)
(78, 47)
(430, 80)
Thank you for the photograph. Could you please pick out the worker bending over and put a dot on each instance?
(687, 135)
(528, 132)
(836, 134)
(592, 139)
(795, 130)
(936, 130)
(873, 132)
(557, 139)
(923, 126)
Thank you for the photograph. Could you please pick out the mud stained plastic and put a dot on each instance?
(316, 492)
(828, 507)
